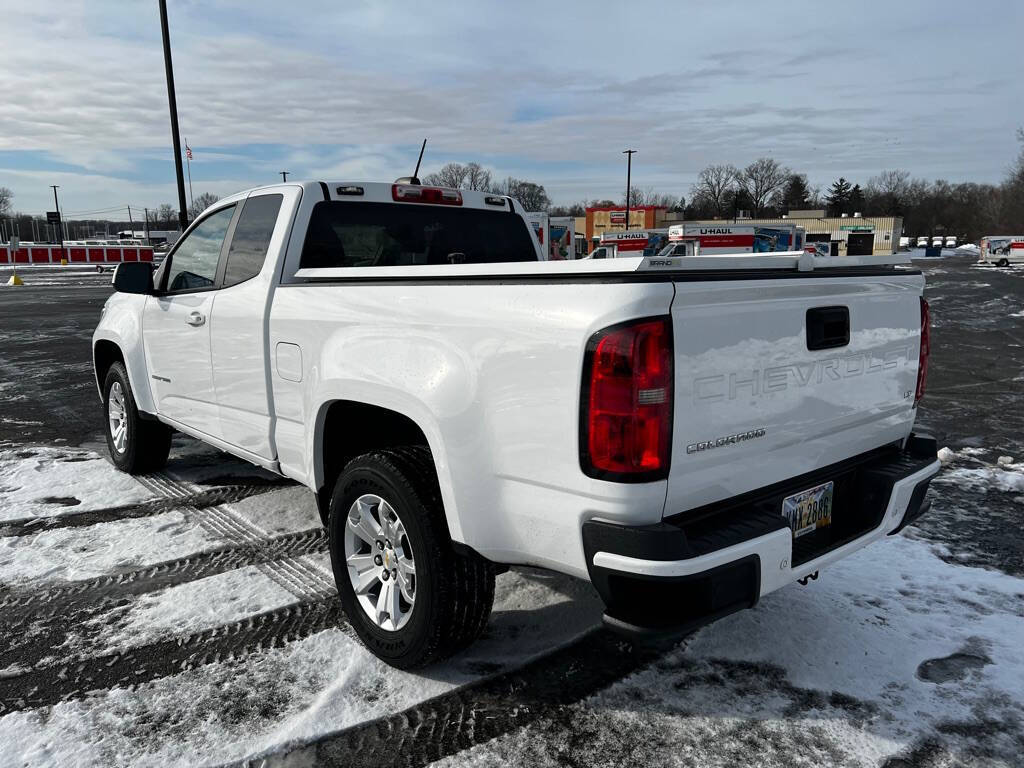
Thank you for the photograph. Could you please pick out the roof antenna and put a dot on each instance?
(414, 179)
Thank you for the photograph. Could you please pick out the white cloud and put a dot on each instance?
(85, 82)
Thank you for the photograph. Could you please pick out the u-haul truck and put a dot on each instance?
(639, 242)
(1002, 250)
(556, 235)
(739, 238)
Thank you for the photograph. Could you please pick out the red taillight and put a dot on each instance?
(626, 408)
(411, 193)
(926, 348)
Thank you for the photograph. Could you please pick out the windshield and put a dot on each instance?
(348, 234)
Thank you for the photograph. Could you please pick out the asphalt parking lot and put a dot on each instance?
(189, 617)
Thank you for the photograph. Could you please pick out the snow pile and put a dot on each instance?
(44, 481)
(1005, 475)
(968, 248)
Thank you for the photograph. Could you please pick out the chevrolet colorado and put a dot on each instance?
(688, 434)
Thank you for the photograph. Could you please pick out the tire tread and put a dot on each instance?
(465, 581)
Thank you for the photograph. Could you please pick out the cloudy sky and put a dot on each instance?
(548, 91)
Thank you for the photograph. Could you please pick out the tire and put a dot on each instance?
(144, 444)
(453, 591)
(1003, 263)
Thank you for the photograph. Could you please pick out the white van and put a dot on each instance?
(922, 242)
(951, 241)
(937, 241)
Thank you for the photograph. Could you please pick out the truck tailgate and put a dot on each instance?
(767, 387)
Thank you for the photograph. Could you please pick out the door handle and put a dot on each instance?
(196, 318)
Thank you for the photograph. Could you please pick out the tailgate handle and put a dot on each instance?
(828, 327)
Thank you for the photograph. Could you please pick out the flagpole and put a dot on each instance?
(188, 162)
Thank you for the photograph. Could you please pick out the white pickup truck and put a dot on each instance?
(688, 434)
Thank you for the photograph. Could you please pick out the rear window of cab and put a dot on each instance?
(365, 234)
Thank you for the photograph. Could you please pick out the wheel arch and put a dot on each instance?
(345, 429)
(104, 354)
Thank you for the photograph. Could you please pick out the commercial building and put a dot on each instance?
(848, 235)
(854, 235)
(613, 218)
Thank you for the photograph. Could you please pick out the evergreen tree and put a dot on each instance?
(856, 199)
(838, 198)
(796, 193)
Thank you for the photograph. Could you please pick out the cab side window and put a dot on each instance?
(251, 238)
(194, 262)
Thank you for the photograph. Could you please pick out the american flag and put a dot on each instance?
(188, 151)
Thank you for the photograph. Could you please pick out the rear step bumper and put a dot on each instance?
(676, 576)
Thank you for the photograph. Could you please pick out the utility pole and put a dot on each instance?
(172, 104)
(629, 168)
(284, 175)
(58, 227)
(188, 165)
(145, 212)
(131, 221)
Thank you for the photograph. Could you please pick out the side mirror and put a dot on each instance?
(133, 277)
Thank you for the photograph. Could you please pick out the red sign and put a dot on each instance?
(726, 241)
(617, 217)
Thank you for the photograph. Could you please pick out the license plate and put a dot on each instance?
(809, 510)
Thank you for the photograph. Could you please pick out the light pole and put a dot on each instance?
(284, 175)
(629, 167)
(60, 229)
(172, 103)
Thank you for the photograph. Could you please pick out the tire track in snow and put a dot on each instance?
(37, 624)
(477, 712)
(48, 685)
(199, 500)
(35, 621)
(301, 579)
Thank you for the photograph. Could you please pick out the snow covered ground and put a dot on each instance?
(189, 617)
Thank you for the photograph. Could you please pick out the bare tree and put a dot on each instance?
(1011, 217)
(166, 217)
(5, 200)
(531, 196)
(889, 191)
(647, 196)
(713, 187)
(762, 179)
(452, 175)
(478, 177)
(201, 203)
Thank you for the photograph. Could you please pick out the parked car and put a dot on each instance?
(922, 242)
(688, 434)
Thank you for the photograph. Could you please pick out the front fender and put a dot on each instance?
(121, 324)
